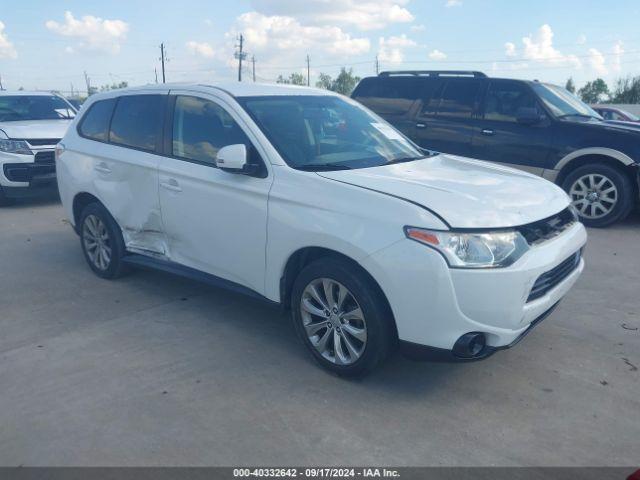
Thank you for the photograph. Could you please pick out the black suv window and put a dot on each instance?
(201, 128)
(95, 124)
(137, 121)
(458, 98)
(504, 99)
(391, 96)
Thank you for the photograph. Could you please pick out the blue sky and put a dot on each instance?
(47, 44)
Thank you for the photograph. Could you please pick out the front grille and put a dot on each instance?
(38, 142)
(543, 230)
(553, 277)
(47, 157)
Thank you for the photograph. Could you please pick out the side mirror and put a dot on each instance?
(232, 158)
(528, 116)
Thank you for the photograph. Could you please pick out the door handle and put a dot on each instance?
(487, 131)
(421, 125)
(102, 168)
(171, 184)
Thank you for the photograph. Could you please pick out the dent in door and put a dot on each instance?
(148, 237)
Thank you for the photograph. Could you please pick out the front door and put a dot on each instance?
(215, 221)
(499, 137)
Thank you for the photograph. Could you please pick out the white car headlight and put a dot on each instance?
(15, 146)
(473, 249)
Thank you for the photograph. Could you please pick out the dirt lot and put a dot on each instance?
(157, 370)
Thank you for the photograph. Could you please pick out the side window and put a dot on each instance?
(201, 128)
(458, 99)
(391, 96)
(95, 124)
(504, 99)
(137, 121)
(616, 116)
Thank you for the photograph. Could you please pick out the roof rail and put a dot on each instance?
(435, 73)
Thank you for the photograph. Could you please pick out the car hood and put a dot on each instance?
(35, 129)
(466, 193)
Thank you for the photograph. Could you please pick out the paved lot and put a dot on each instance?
(157, 370)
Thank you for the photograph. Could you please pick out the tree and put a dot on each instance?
(570, 86)
(293, 79)
(344, 83)
(627, 90)
(113, 86)
(596, 91)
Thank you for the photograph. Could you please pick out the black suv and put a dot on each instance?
(533, 126)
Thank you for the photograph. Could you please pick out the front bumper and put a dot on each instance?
(26, 175)
(435, 306)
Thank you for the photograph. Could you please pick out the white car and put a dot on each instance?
(31, 124)
(306, 199)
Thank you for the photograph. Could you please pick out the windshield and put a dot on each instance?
(630, 116)
(562, 103)
(16, 108)
(327, 132)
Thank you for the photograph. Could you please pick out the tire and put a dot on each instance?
(97, 227)
(364, 341)
(602, 194)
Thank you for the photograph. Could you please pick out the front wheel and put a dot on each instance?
(601, 194)
(341, 317)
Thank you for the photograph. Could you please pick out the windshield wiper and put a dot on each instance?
(318, 167)
(582, 115)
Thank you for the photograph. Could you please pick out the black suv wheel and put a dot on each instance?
(601, 193)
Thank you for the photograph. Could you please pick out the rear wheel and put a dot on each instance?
(340, 316)
(602, 194)
(102, 242)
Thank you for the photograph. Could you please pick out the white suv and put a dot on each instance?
(306, 199)
(31, 123)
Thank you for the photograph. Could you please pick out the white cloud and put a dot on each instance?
(437, 55)
(453, 3)
(596, 61)
(618, 51)
(361, 14)
(273, 35)
(510, 49)
(202, 49)
(391, 49)
(539, 48)
(7, 50)
(93, 33)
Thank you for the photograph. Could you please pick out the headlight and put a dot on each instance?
(15, 146)
(473, 249)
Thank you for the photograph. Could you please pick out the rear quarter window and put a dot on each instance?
(388, 96)
(95, 123)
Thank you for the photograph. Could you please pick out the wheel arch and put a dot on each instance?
(306, 255)
(613, 158)
(80, 201)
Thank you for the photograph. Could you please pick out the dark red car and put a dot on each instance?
(614, 113)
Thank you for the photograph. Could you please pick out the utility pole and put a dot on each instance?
(253, 66)
(88, 82)
(308, 71)
(377, 65)
(155, 70)
(1, 87)
(162, 60)
(240, 55)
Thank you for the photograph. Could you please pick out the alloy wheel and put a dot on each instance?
(333, 321)
(594, 195)
(96, 241)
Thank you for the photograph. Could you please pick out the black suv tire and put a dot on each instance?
(584, 180)
(362, 296)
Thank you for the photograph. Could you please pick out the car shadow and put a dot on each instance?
(46, 199)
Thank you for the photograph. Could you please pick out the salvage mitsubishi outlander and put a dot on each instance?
(306, 199)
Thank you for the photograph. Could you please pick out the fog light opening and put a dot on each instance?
(470, 345)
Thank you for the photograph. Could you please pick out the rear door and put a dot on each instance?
(499, 137)
(393, 98)
(125, 137)
(447, 120)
